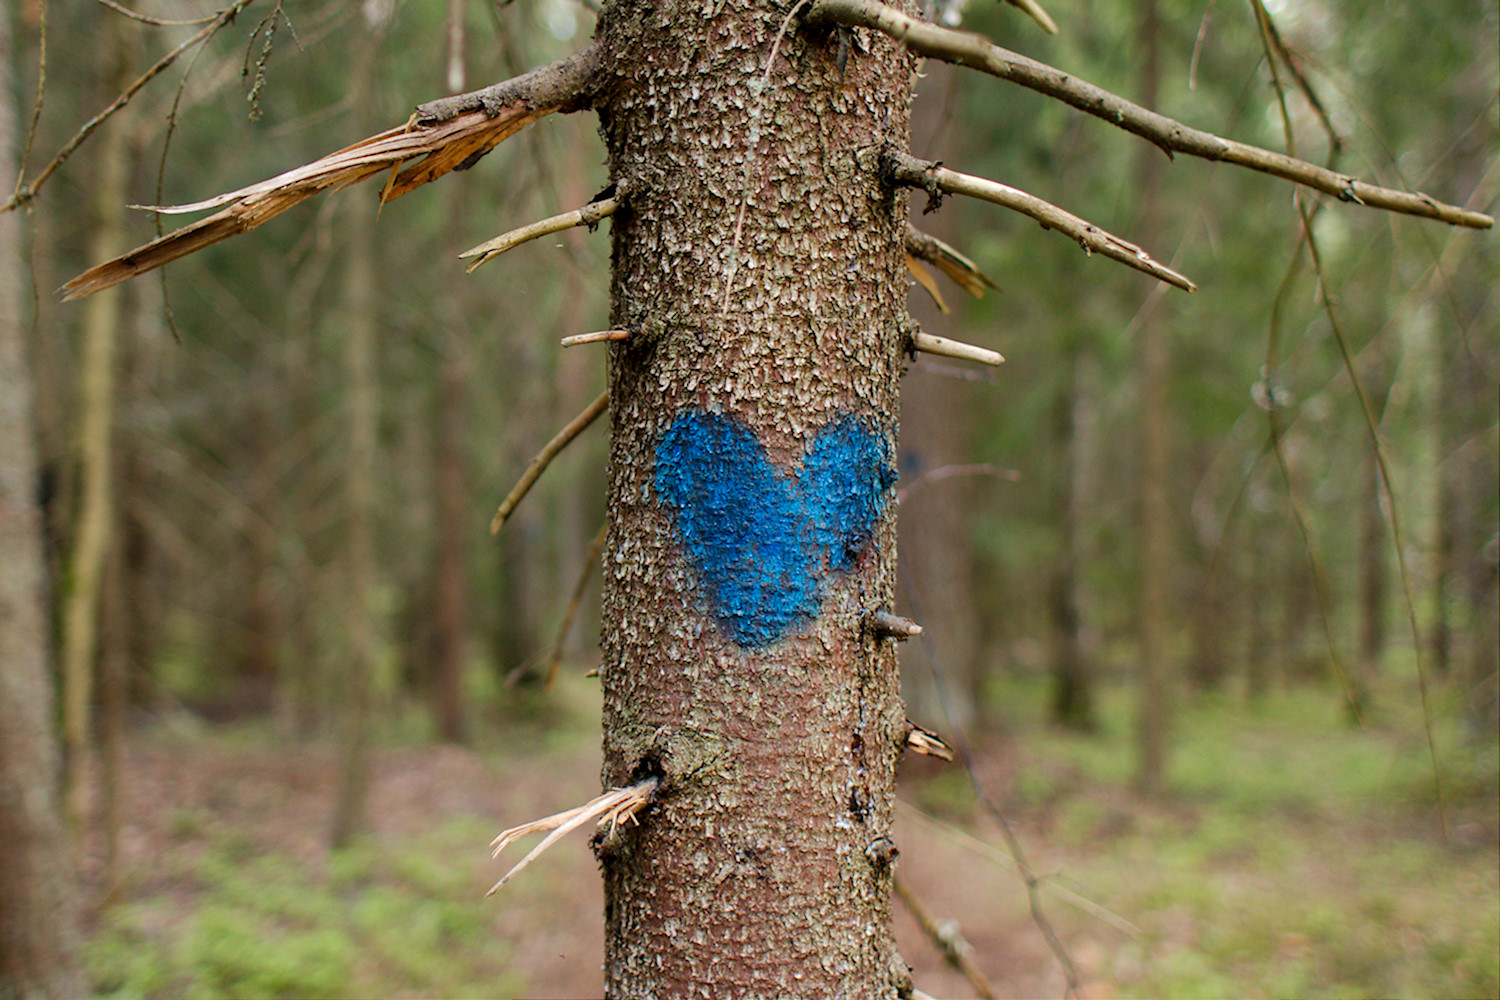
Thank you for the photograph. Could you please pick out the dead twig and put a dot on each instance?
(544, 458)
(949, 939)
(589, 215)
(929, 344)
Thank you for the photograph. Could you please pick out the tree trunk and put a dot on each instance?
(363, 417)
(751, 519)
(1155, 509)
(38, 917)
(1072, 695)
(101, 322)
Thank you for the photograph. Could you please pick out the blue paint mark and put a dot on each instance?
(762, 542)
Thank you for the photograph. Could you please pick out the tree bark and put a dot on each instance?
(38, 916)
(751, 520)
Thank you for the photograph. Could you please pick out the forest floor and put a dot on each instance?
(1293, 856)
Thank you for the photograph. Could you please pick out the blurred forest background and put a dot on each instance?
(302, 686)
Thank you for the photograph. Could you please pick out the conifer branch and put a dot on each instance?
(907, 170)
(968, 49)
(445, 135)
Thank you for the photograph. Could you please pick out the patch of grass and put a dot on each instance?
(381, 918)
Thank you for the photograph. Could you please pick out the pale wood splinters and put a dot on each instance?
(923, 741)
(589, 215)
(610, 810)
(598, 337)
(928, 283)
(968, 49)
(929, 344)
(441, 136)
(909, 171)
(883, 623)
(544, 458)
(960, 269)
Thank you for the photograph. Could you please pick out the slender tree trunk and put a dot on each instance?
(751, 520)
(362, 401)
(451, 593)
(1072, 697)
(1155, 504)
(101, 327)
(449, 479)
(38, 914)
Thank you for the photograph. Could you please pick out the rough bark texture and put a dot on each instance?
(751, 516)
(38, 927)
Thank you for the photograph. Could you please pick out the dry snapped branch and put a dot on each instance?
(445, 135)
(907, 170)
(968, 49)
(589, 215)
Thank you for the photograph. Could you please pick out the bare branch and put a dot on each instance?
(967, 49)
(950, 940)
(908, 170)
(28, 192)
(445, 135)
(928, 344)
(589, 215)
(963, 271)
(544, 458)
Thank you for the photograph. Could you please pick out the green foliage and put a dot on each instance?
(378, 919)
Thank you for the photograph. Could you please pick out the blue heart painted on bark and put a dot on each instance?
(762, 542)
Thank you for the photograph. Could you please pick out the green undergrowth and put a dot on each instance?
(378, 919)
(1293, 854)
